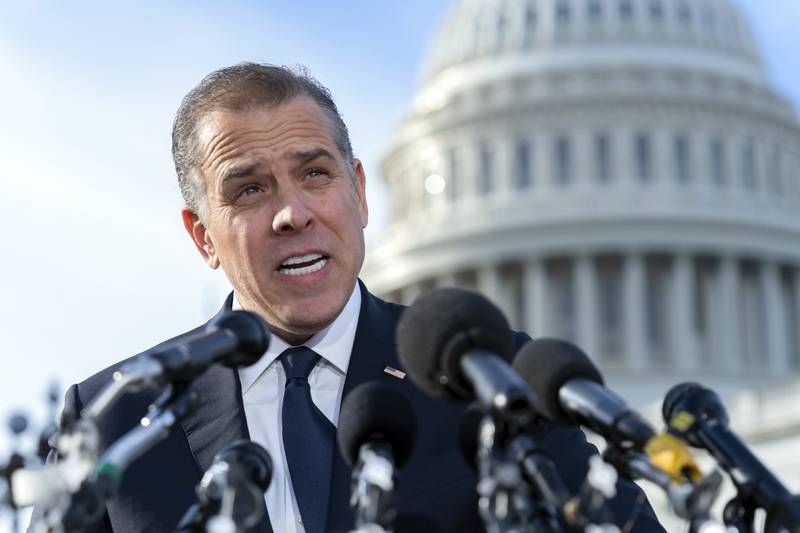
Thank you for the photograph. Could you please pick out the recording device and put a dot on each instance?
(376, 435)
(571, 392)
(234, 338)
(697, 414)
(456, 345)
(231, 493)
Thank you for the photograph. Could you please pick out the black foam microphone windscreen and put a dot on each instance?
(251, 331)
(439, 328)
(252, 463)
(375, 412)
(546, 365)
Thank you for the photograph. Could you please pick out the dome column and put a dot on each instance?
(728, 332)
(409, 292)
(534, 282)
(446, 280)
(775, 319)
(490, 284)
(682, 343)
(633, 290)
(586, 285)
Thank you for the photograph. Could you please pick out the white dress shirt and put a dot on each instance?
(262, 394)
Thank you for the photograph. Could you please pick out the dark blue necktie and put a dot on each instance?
(307, 439)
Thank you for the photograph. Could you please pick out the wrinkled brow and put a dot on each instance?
(310, 155)
(241, 171)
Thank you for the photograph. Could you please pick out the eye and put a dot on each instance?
(249, 190)
(316, 173)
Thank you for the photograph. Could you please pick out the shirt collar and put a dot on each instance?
(334, 343)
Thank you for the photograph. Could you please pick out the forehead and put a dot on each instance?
(275, 131)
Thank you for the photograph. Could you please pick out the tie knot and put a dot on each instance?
(298, 362)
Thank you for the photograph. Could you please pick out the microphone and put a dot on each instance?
(696, 414)
(456, 345)
(231, 491)
(377, 431)
(571, 392)
(234, 338)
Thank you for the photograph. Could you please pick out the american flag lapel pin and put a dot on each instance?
(399, 374)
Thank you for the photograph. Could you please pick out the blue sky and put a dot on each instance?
(97, 265)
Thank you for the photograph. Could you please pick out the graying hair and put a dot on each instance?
(243, 87)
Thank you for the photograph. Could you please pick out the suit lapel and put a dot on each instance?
(218, 419)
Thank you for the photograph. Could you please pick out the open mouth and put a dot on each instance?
(303, 264)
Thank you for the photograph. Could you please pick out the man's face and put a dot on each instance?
(284, 214)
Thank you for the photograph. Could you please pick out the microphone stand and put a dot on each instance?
(505, 500)
(689, 501)
(373, 483)
(84, 507)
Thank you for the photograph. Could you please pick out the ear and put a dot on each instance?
(361, 190)
(201, 237)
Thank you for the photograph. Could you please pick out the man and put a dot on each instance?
(276, 199)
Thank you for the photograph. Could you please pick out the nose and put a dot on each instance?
(293, 214)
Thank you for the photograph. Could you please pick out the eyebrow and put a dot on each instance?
(239, 172)
(310, 155)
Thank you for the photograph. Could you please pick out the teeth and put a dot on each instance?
(304, 270)
(302, 259)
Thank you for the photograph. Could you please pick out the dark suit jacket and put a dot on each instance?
(435, 482)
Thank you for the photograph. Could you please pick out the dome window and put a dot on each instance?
(530, 24)
(523, 164)
(644, 163)
(685, 14)
(594, 10)
(563, 157)
(749, 174)
(656, 11)
(625, 10)
(486, 179)
(452, 182)
(774, 171)
(562, 13)
(602, 157)
(682, 164)
(718, 162)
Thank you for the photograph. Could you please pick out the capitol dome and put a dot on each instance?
(620, 173)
